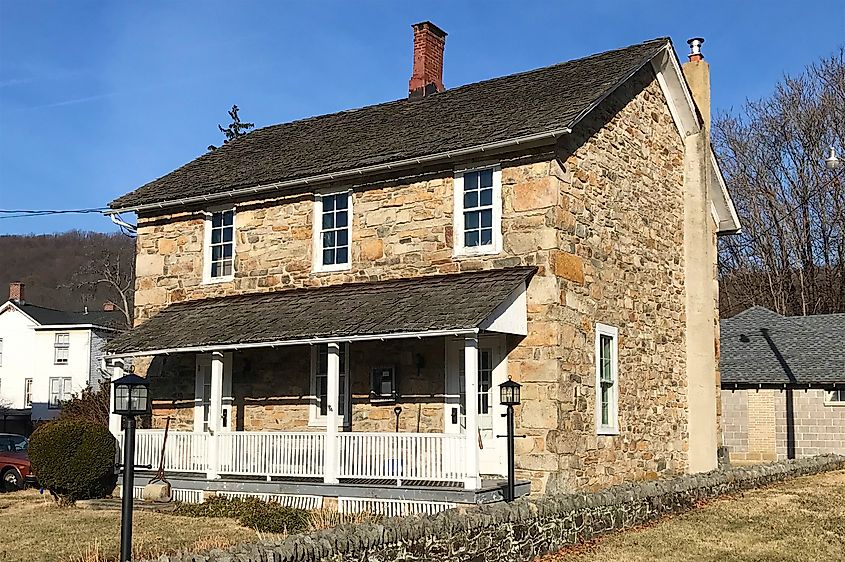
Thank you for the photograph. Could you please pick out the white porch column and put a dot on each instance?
(332, 396)
(473, 480)
(114, 419)
(215, 413)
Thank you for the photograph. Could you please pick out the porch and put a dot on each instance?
(377, 410)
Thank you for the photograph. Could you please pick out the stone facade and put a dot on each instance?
(600, 216)
(757, 427)
(513, 532)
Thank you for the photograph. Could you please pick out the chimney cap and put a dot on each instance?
(695, 48)
(431, 27)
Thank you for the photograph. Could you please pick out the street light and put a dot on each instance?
(509, 396)
(131, 398)
(832, 162)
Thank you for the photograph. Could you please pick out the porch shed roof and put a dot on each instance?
(431, 305)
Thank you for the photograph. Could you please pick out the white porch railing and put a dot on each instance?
(272, 453)
(433, 457)
(186, 451)
(402, 456)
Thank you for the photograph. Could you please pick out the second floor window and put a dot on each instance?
(220, 245)
(333, 231)
(478, 211)
(61, 348)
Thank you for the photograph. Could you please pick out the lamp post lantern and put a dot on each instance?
(509, 397)
(832, 161)
(131, 398)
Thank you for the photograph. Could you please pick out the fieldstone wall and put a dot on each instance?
(518, 531)
(600, 216)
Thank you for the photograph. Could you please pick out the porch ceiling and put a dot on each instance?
(422, 306)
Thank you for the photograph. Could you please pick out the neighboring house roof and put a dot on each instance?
(51, 317)
(761, 347)
(457, 303)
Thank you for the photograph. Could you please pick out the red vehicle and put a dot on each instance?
(14, 462)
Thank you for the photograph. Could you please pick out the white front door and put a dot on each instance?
(492, 371)
(202, 393)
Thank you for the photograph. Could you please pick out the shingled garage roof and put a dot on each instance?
(458, 303)
(759, 347)
(530, 103)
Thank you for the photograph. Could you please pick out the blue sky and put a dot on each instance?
(97, 98)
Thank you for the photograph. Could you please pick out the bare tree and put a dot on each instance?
(790, 256)
(117, 273)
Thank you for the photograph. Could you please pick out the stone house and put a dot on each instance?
(783, 385)
(317, 299)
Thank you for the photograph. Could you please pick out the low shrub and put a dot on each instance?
(74, 459)
(250, 512)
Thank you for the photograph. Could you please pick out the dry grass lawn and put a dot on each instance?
(34, 529)
(802, 520)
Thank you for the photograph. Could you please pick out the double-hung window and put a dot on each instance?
(27, 393)
(478, 211)
(332, 231)
(835, 398)
(61, 348)
(59, 391)
(607, 380)
(220, 246)
(320, 382)
(1, 352)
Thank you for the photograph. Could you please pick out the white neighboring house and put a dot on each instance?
(46, 355)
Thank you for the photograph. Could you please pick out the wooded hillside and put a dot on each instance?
(61, 270)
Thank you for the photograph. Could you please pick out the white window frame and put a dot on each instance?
(57, 345)
(611, 428)
(459, 249)
(829, 401)
(315, 419)
(317, 232)
(64, 394)
(27, 393)
(206, 260)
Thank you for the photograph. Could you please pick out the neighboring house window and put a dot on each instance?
(1, 352)
(59, 392)
(478, 211)
(61, 348)
(333, 231)
(836, 398)
(27, 393)
(319, 382)
(220, 246)
(607, 380)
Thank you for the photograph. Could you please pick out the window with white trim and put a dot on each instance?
(27, 393)
(478, 211)
(607, 380)
(835, 398)
(59, 392)
(333, 231)
(320, 381)
(61, 348)
(220, 245)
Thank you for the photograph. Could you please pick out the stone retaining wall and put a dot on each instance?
(517, 531)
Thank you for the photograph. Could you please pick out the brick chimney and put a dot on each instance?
(427, 77)
(16, 292)
(108, 306)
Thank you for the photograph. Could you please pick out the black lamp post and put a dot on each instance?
(509, 396)
(131, 398)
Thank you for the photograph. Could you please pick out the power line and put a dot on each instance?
(24, 213)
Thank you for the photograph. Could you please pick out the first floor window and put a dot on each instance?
(320, 380)
(332, 231)
(220, 253)
(1, 352)
(27, 393)
(478, 211)
(607, 379)
(61, 348)
(59, 391)
(836, 397)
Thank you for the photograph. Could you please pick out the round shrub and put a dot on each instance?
(74, 459)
